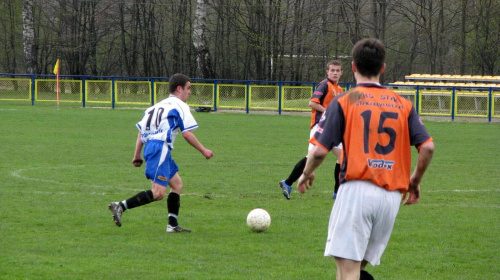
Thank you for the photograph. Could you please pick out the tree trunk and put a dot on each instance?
(463, 42)
(10, 45)
(203, 58)
(441, 36)
(124, 47)
(29, 37)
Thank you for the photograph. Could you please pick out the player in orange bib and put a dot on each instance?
(319, 101)
(377, 128)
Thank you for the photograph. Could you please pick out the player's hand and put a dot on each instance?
(305, 182)
(137, 162)
(207, 154)
(413, 193)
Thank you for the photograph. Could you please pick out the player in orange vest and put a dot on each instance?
(377, 128)
(322, 96)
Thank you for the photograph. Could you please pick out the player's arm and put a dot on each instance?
(193, 141)
(424, 159)
(318, 97)
(314, 159)
(137, 160)
(337, 153)
(316, 106)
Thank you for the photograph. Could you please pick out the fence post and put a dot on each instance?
(453, 104)
(113, 93)
(490, 104)
(248, 98)
(417, 100)
(84, 92)
(153, 91)
(215, 96)
(280, 97)
(33, 80)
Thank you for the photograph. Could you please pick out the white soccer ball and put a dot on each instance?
(258, 220)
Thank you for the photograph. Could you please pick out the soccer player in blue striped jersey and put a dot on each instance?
(157, 132)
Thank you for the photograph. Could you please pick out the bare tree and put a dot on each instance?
(9, 23)
(351, 13)
(29, 37)
(246, 39)
(203, 57)
(463, 41)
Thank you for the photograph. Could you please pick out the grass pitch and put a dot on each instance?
(61, 167)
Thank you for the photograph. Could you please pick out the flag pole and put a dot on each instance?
(56, 72)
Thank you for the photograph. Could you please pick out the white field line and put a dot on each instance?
(462, 205)
(102, 189)
(19, 174)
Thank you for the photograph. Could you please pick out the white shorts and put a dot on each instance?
(311, 134)
(361, 221)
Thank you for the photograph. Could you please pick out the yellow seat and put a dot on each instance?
(412, 76)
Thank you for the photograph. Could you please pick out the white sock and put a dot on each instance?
(124, 203)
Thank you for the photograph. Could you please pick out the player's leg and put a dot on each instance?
(286, 185)
(296, 172)
(336, 174)
(141, 198)
(364, 275)
(382, 224)
(349, 234)
(174, 204)
(347, 269)
(156, 171)
(174, 199)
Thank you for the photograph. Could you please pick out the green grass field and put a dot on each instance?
(61, 167)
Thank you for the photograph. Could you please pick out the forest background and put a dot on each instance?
(278, 40)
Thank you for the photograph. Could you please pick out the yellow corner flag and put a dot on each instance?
(56, 68)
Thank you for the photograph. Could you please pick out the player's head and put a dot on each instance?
(369, 57)
(334, 70)
(177, 80)
(180, 86)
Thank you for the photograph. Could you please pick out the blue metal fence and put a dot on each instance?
(280, 96)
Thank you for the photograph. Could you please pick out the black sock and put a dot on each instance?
(296, 172)
(337, 179)
(364, 275)
(173, 205)
(140, 199)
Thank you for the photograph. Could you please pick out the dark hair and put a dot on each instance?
(177, 80)
(333, 62)
(369, 57)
